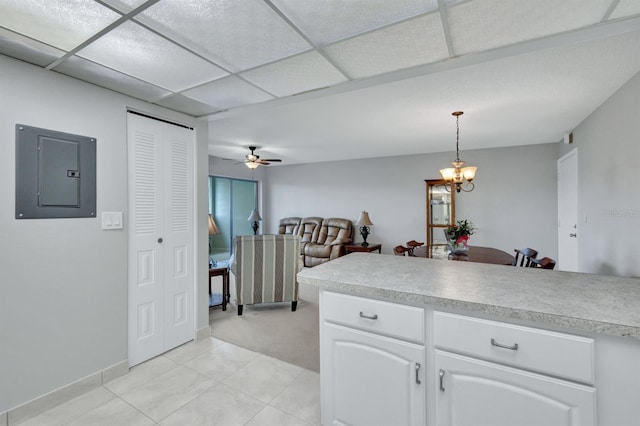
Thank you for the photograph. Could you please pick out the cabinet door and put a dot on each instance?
(370, 380)
(470, 392)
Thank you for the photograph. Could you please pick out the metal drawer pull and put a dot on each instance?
(417, 370)
(441, 380)
(372, 317)
(513, 348)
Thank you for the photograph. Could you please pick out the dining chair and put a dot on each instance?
(411, 246)
(401, 250)
(544, 263)
(524, 256)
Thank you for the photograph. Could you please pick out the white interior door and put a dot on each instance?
(161, 243)
(568, 212)
(178, 236)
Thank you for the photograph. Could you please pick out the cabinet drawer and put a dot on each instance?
(386, 318)
(548, 352)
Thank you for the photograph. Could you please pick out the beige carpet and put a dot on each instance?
(272, 329)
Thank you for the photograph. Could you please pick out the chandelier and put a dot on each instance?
(458, 177)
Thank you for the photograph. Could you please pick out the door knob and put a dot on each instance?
(160, 240)
(573, 235)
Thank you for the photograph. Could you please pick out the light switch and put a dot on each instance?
(111, 220)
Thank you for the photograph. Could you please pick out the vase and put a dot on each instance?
(457, 248)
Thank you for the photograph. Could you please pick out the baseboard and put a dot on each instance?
(115, 371)
(63, 394)
(202, 333)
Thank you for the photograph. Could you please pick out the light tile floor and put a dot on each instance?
(208, 382)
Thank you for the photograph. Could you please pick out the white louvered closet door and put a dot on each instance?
(161, 241)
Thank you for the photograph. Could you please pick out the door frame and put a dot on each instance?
(193, 243)
(562, 264)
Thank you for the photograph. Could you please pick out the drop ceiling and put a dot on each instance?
(328, 80)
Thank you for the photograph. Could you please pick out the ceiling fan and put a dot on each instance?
(253, 161)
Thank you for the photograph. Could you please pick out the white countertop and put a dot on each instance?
(588, 302)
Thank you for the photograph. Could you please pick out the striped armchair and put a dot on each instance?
(265, 269)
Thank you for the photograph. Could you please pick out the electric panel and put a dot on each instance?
(55, 174)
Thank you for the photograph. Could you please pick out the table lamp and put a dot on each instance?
(213, 230)
(255, 218)
(364, 223)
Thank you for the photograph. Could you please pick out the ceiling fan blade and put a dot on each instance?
(273, 160)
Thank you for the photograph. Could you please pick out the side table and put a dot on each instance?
(352, 248)
(224, 272)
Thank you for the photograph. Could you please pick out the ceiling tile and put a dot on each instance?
(26, 49)
(486, 24)
(228, 92)
(626, 8)
(238, 35)
(91, 72)
(138, 52)
(331, 20)
(186, 105)
(404, 45)
(60, 23)
(125, 6)
(301, 73)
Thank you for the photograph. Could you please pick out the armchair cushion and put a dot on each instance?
(289, 225)
(309, 229)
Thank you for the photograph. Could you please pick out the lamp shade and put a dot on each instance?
(364, 220)
(255, 216)
(448, 174)
(213, 228)
(469, 173)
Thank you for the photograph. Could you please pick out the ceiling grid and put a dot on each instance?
(241, 59)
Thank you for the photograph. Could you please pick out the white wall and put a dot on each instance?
(608, 143)
(514, 204)
(63, 288)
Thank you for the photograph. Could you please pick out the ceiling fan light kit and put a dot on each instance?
(253, 160)
(458, 177)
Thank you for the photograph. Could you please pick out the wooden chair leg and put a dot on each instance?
(239, 309)
(294, 306)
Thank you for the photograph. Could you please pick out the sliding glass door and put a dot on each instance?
(230, 202)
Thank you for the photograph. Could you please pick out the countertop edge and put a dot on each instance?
(578, 324)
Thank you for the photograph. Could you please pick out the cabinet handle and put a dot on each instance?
(441, 374)
(417, 370)
(513, 348)
(371, 317)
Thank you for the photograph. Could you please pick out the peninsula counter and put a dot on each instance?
(577, 335)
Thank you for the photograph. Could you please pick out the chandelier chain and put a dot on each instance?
(457, 138)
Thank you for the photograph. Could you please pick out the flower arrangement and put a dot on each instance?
(460, 232)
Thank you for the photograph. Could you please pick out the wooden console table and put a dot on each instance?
(352, 248)
(224, 272)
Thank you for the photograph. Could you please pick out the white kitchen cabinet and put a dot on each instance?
(369, 378)
(472, 392)
(504, 374)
